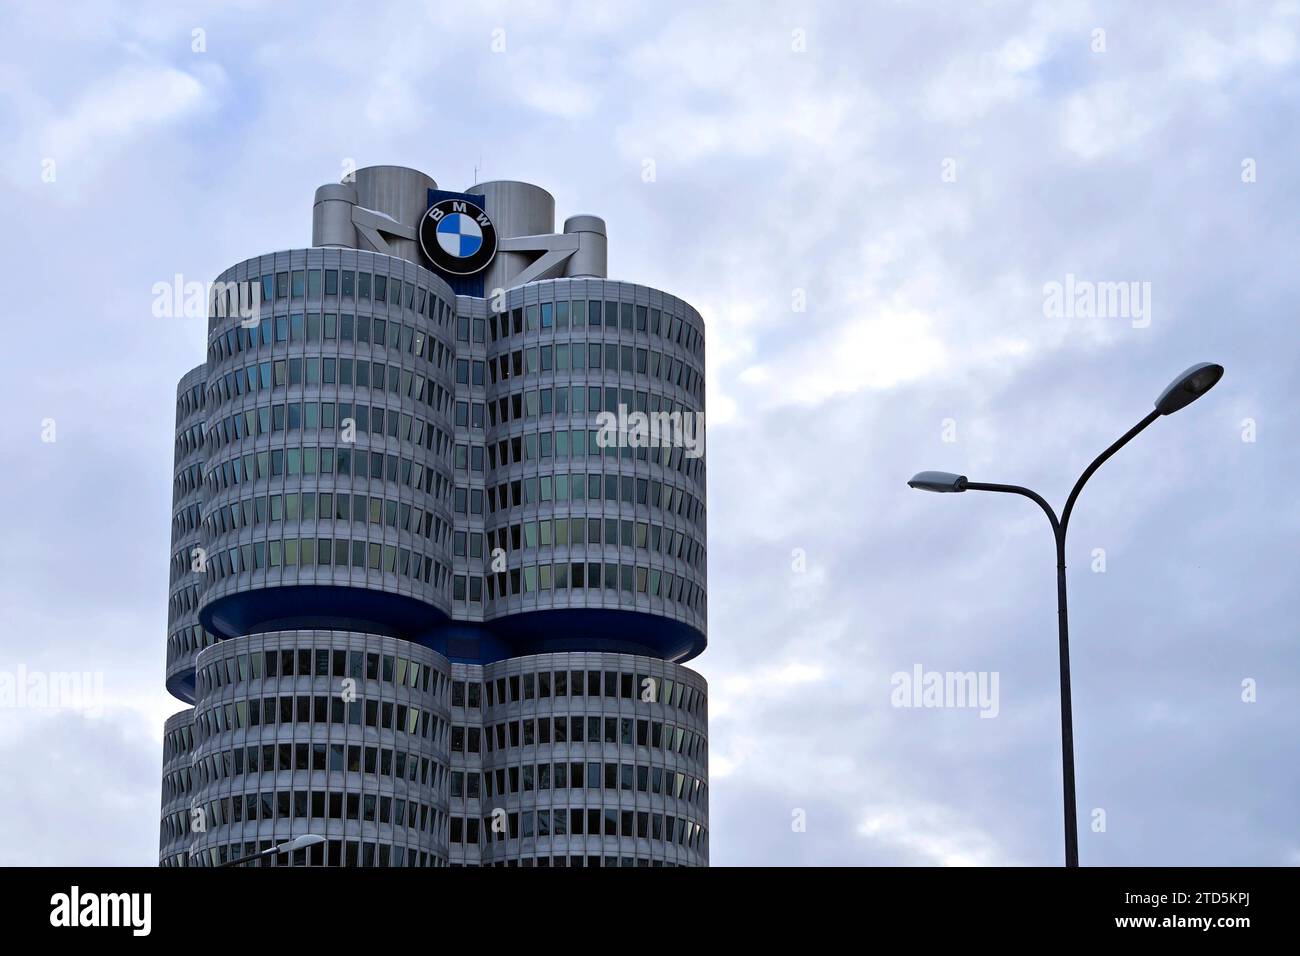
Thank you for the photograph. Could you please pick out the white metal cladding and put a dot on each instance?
(657, 549)
(355, 750)
(525, 792)
(177, 784)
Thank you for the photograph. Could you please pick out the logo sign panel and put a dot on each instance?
(458, 237)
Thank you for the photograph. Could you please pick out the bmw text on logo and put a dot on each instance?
(458, 237)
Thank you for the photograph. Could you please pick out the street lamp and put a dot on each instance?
(297, 843)
(1181, 392)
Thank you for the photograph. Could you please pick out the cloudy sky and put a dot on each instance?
(867, 203)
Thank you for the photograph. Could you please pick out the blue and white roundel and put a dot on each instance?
(459, 235)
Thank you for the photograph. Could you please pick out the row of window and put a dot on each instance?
(303, 709)
(562, 444)
(566, 862)
(377, 420)
(341, 507)
(297, 328)
(176, 784)
(354, 419)
(386, 809)
(392, 559)
(189, 440)
(592, 356)
(177, 746)
(569, 443)
(184, 600)
(563, 576)
(322, 662)
(355, 373)
(189, 402)
(330, 853)
(186, 520)
(389, 763)
(594, 486)
(577, 728)
(492, 693)
(473, 784)
(401, 383)
(356, 463)
(378, 288)
(576, 530)
(592, 313)
(320, 756)
(414, 815)
(607, 821)
(577, 575)
(576, 399)
(545, 777)
(178, 742)
(314, 284)
(327, 552)
(400, 672)
(187, 480)
(308, 506)
(613, 684)
(188, 640)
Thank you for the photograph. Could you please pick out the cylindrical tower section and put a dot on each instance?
(177, 784)
(327, 466)
(588, 759)
(516, 209)
(185, 636)
(399, 192)
(595, 485)
(341, 735)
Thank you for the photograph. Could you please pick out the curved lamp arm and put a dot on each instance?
(1017, 490)
(1097, 463)
(1059, 526)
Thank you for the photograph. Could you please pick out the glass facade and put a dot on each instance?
(339, 734)
(436, 562)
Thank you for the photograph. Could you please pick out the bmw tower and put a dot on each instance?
(425, 603)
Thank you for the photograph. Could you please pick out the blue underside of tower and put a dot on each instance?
(324, 607)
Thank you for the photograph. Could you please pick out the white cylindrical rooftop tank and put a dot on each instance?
(516, 209)
(591, 259)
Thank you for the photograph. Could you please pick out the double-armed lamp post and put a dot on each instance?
(1184, 390)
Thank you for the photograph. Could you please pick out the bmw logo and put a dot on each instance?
(458, 237)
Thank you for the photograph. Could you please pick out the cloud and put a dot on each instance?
(931, 834)
(1103, 121)
(118, 108)
(878, 351)
(91, 796)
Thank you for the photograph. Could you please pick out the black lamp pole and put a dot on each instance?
(1184, 390)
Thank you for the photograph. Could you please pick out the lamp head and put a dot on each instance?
(941, 481)
(1188, 387)
(298, 843)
